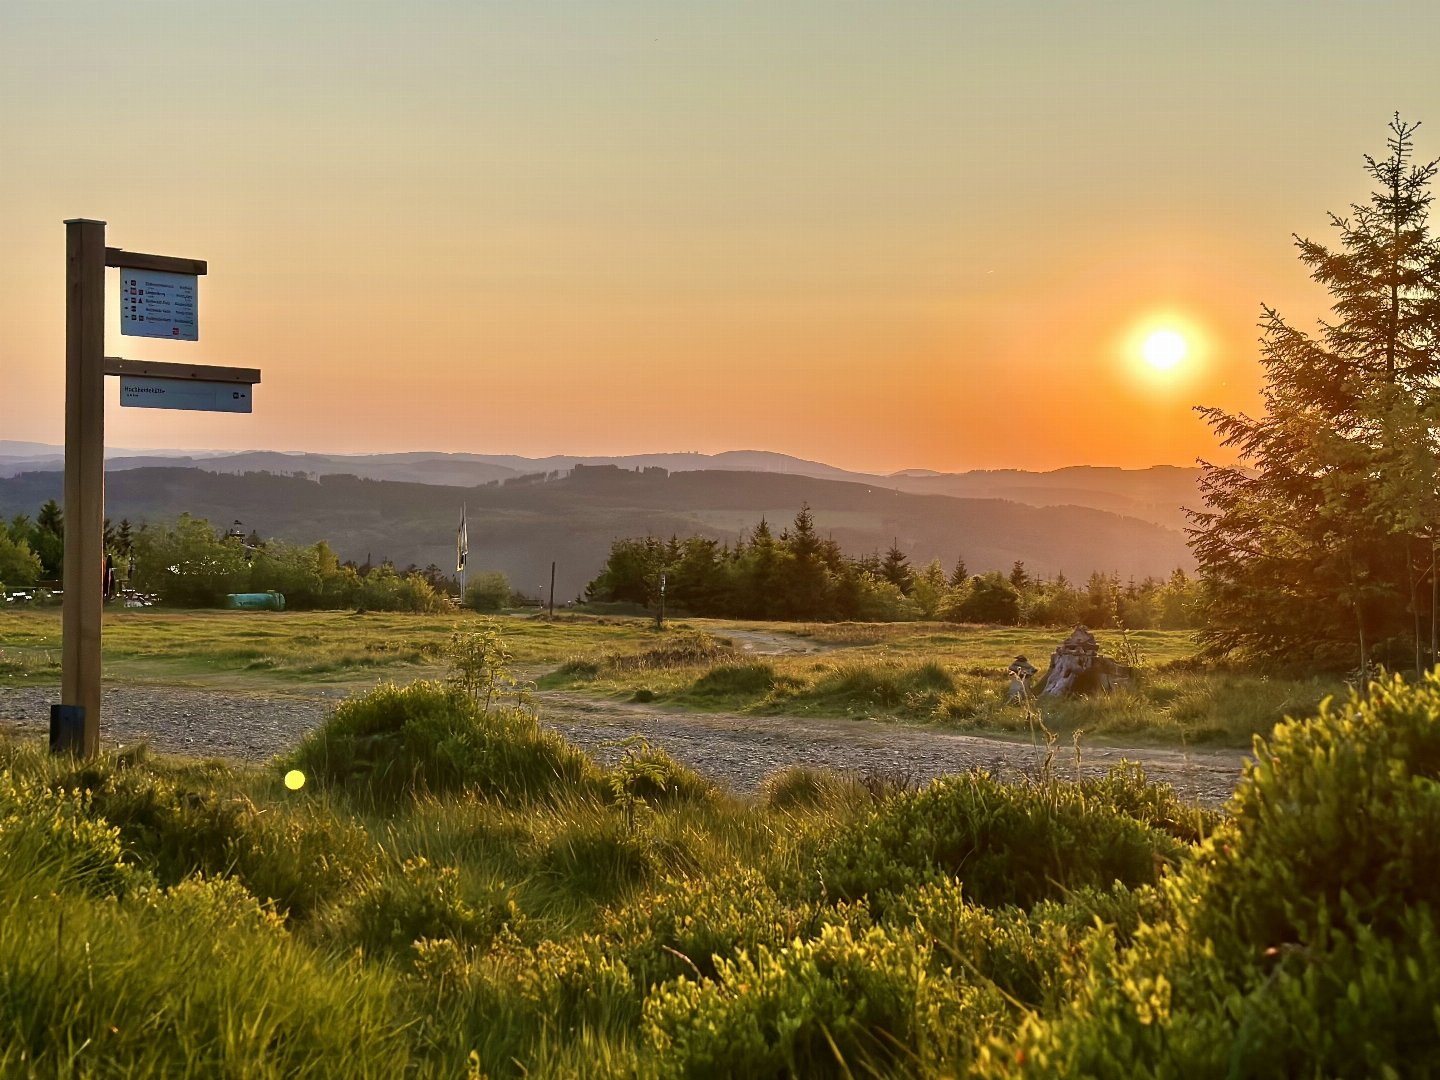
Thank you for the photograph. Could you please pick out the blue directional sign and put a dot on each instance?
(145, 393)
(158, 304)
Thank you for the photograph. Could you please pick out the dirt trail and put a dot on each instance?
(736, 749)
(741, 750)
(771, 643)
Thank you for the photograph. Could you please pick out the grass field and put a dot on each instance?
(273, 649)
(459, 893)
(948, 675)
(920, 673)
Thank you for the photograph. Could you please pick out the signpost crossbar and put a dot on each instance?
(155, 369)
(165, 264)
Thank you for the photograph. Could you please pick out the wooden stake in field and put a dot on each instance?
(160, 283)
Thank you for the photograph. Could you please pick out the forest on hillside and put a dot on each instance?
(800, 575)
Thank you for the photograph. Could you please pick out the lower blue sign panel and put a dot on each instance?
(139, 392)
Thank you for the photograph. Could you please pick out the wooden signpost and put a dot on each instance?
(158, 299)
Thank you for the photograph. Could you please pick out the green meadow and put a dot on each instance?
(456, 892)
(940, 674)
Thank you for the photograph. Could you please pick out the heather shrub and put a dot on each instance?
(1009, 844)
(1340, 812)
(173, 824)
(53, 835)
(686, 926)
(1127, 789)
(753, 678)
(647, 773)
(801, 787)
(398, 742)
(837, 1005)
(1302, 937)
(416, 901)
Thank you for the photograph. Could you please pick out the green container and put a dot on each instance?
(256, 601)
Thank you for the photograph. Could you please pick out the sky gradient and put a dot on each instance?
(914, 235)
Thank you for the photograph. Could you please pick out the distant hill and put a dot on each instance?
(1155, 494)
(573, 518)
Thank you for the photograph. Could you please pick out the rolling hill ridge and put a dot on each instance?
(572, 518)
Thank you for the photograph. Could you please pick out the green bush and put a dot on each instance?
(174, 825)
(54, 836)
(600, 857)
(1341, 809)
(1000, 947)
(1127, 789)
(420, 901)
(687, 926)
(487, 591)
(838, 1005)
(676, 648)
(649, 774)
(800, 787)
(1009, 844)
(1302, 937)
(398, 742)
(752, 679)
(302, 856)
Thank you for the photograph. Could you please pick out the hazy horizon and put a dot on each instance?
(952, 237)
(139, 451)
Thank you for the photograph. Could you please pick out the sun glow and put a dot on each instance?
(1164, 349)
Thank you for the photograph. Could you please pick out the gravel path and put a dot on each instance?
(181, 720)
(739, 751)
(742, 750)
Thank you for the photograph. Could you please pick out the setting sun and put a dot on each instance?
(1164, 349)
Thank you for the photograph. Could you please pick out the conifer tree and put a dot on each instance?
(1308, 546)
(896, 569)
(961, 574)
(806, 584)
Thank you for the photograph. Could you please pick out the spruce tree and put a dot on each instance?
(961, 574)
(896, 569)
(1311, 546)
(1019, 576)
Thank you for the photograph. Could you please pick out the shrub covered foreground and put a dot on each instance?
(455, 892)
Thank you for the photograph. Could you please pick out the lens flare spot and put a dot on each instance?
(294, 779)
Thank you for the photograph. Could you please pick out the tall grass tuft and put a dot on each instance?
(395, 743)
(195, 980)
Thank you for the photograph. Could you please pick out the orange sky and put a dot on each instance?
(882, 236)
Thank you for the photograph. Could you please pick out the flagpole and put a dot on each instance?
(465, 564)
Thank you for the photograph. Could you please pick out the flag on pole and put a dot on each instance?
(462, 543)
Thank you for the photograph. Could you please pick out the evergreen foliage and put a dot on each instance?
(1320, 545)
(801, 577)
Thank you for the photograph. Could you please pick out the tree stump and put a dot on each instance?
(1077, 667)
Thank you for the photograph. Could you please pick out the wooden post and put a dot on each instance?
(552, 590)
(84, 472)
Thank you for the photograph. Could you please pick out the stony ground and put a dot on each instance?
(739, 751)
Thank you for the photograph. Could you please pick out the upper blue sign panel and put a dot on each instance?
(156, 304)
